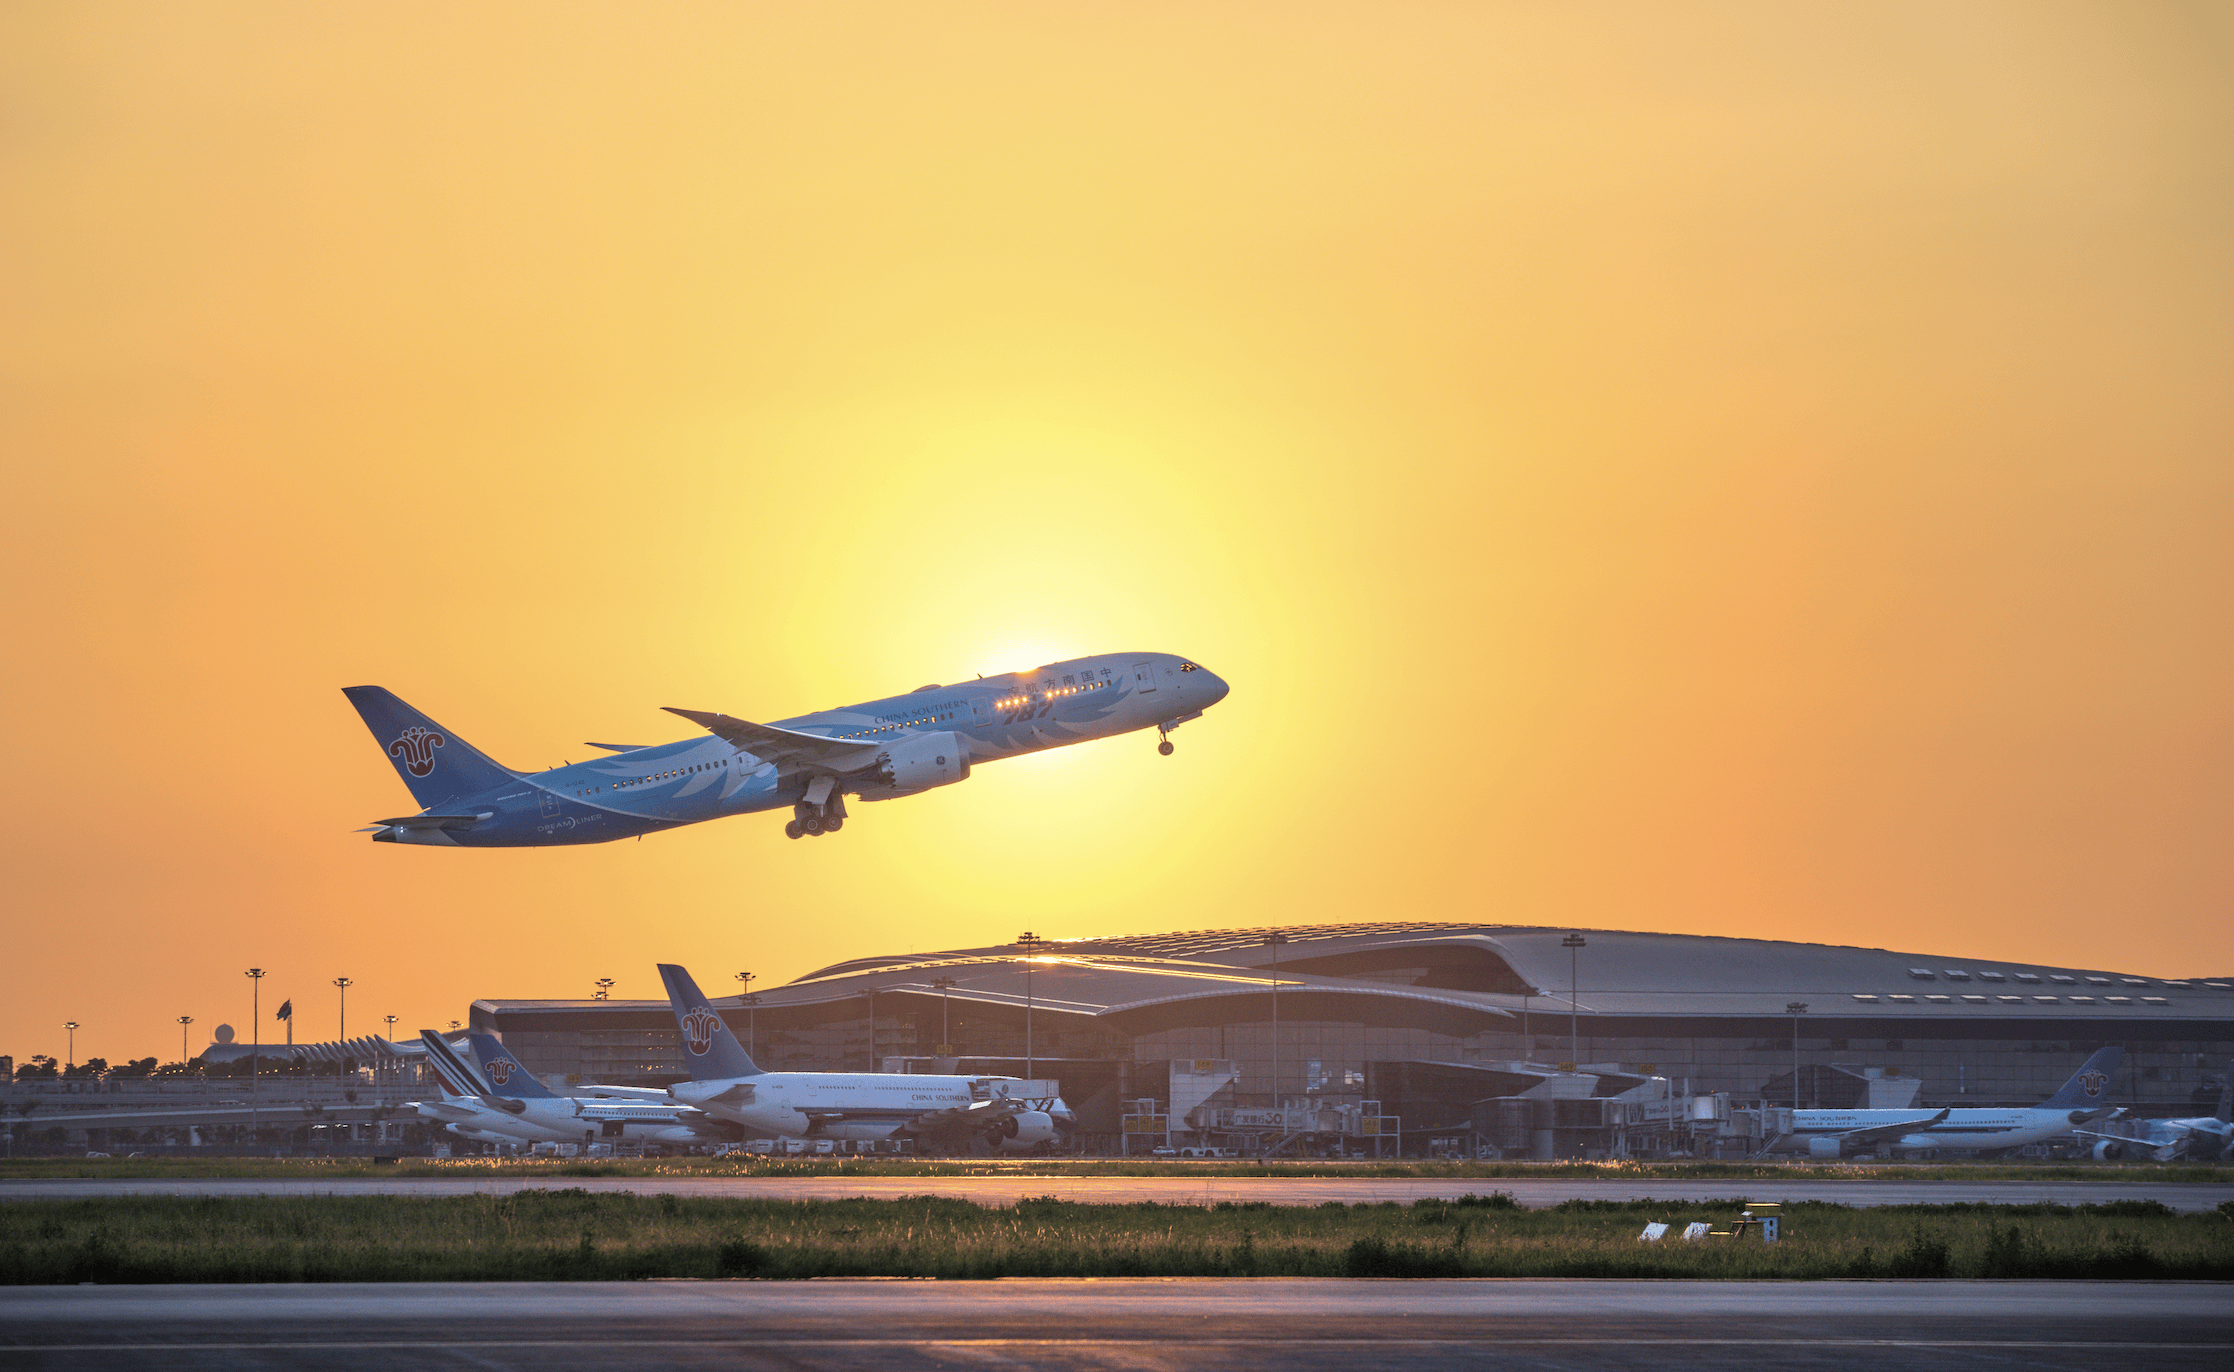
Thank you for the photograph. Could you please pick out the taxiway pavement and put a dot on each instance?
(1356, 1326)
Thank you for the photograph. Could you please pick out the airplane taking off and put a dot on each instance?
(1842, 1133)
(878, 750)
(947, 1113)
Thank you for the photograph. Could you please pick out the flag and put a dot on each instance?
(286, 1010)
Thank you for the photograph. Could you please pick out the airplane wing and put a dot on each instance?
(787, 749)
(1886, 1133)
(618, 747)
(959, 1123)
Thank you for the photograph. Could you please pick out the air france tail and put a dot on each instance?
(506, 1073)
(457, 1078)
(710, 1051)
(435, 763)
(2089, 1087)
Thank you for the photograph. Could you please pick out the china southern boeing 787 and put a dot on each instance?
(878, 750)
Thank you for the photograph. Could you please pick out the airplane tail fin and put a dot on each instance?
(457, 1078)
(2090, 1085)
(710, 1051)
(436, 764)
(506, 1073)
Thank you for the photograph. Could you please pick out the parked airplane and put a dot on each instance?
(523, 1110)
(1838, 1133)
(879, 750)
(2197, 1138)
(949, 1114)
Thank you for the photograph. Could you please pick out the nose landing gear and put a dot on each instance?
(1164, 747)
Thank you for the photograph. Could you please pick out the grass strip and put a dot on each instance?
(574, 1235)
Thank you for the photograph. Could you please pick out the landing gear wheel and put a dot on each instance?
(831, 826)
(812, 824)
(791, 828)
(1164, 747)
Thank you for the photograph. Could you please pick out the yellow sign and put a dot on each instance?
(1145, 1124)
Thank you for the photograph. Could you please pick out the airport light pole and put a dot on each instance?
(395, 1069)
(70, 1055)
(343, 984)
(746, 998)
(183, 1021)
(1795, 1008)
(946, 1044)
(1276, 941)
(1030, 943)
(255, 1042)
(604, 991)
(1572, 943)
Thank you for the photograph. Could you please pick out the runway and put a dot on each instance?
(905, 1326)
(1007, 1190)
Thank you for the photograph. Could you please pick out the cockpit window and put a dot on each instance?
(1189, 667)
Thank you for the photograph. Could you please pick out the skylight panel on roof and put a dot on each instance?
(1922, 974)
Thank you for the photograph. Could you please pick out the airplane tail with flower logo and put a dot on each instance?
(2089, 1087)
(710, 1051)
(435, 763)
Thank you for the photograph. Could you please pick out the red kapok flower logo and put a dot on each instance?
(500, 1072)
(415, 749)
(698, 1031)
(2093, 1082)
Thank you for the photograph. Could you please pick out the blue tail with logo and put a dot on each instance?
(710, 1051)
(506, 1073)
(436, 764)
(2090, 1085)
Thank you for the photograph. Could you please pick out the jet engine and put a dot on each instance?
(918, 763)
(1022, 1131)
(2108, 1150)
(1833, 1147)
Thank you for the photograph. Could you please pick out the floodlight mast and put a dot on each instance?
(255, 1042)
(1275, 941)
(751, 1003)
(1572, 943)
(946, 1043)
(1031, 944)
(1795, 1008)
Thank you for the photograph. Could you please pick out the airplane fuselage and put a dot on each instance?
(564, 1120)
(663, 786)
(1964, 1130)
(840, 1105)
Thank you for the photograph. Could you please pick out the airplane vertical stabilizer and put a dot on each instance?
(710, 1050)
(435, 763)
(506, 1073)
(2089, 1087)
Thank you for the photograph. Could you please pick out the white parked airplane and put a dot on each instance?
(946, 1113)
(1840, 1133)
(2197, 1138)
(523, 1110)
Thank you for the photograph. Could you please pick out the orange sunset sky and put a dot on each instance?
(1746, 469)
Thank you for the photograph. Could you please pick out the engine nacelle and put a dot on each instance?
(2108, 1150)
(1026, 1130)
(918, 763)
(1826, 1148)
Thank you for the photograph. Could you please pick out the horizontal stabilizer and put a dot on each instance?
(618, 747)
(435, 821)
(785, 748)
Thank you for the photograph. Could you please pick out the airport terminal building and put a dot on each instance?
(1427, 1025)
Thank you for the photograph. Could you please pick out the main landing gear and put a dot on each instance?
(823, 811)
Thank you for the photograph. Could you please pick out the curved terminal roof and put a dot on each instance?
(1472, 976)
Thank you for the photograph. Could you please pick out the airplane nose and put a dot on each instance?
(1218, 688)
